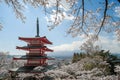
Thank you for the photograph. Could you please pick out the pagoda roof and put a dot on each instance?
(25, 57)
(27, 69)
(43, 39)
(34, 48)
(32, 69)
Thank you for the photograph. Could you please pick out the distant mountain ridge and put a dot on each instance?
(57, 57)
(60, 57)
(117, 54)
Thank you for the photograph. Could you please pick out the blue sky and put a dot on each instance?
(62, 44)
(13, 28)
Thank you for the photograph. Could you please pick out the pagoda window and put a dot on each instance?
(42, 61)
(35, 42)
(41, 42)
(42, 52)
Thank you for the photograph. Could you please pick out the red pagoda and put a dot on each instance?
(36, 53)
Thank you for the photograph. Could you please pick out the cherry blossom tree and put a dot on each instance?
(88, 17)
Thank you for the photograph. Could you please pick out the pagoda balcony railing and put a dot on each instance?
(35, 64)
(35, 54)
(35, 44)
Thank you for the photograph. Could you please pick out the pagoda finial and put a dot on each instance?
(37, 28)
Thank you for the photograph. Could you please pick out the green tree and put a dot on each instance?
(102, 59)
(74, 58)
(109, 58)
(78, 56)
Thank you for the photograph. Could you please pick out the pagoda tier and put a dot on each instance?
(36, 40)
(34, 60)
(32, 57)
(35, 48)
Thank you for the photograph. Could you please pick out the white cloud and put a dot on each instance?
(57, 19)
(63, 4)
(104, 42)
(110, 44)
(51, 3)
(67, 47)
(117, 10)
(60, 16)
(68, 17)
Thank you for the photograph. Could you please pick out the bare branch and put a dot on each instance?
(57, 5)
(1, 26)
(17, 7)
(83, 17)
(82, 13)
(104, 17)
(119, 1)
(44, 6)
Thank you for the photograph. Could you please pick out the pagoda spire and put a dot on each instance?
(37, 28)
